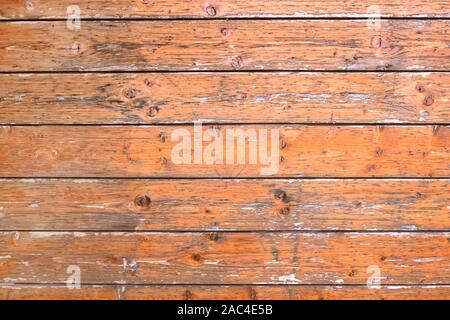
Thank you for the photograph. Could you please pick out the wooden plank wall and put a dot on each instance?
(359, 91)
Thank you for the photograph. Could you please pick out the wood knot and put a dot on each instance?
(283, 144)
(284, 211)
(280, 195)
(142, 201)
(378, 152)
(153, 111)
(163, 161)
(211, 11)
(429, 100)
(224, 31)
(213, 236)
(382, 258)
(377, 42)
(352, 273)
(237, 63)
(420, 88)
(163, 137)
(196, 257)
(129, 93)
(188, 294)
(148, 82)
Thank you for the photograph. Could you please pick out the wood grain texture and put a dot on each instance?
(225, 97)
(254, 292)
(228, 258)
(146, 151)
(225, 45)
(384, 205)
(50, 9)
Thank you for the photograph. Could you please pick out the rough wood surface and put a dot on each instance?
(225, 258)
(225, 45)
(88, 179)
(225, 97)
(176, 292)
(41, 204)
(50, 9)
(146, 151)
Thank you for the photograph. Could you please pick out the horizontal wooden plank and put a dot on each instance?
(227, 258)
(225, 97)
(156, 151)
(225, 45)
(51, 9)
(176, 292)
(42, 204)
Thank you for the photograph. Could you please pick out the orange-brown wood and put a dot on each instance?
(50, 9)
(42, 204)
(147, 151)
(255, 292)
(225, 45)
(225, 258)
(88, 177)
(225, 97)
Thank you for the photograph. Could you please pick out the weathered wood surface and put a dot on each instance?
(225, 45)
(240, 292)
(161, 9)
(146, 151)
(225, 258)
(75, 195)
(383, 205)
(225, 97)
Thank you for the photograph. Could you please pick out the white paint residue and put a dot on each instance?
(92, 206)
(120, 292)
(290, 278)
(80, 234)
(425, 260)
(422, 115)
(38, 235)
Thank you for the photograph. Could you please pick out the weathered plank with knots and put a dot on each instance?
(306, 151)
(225, 258)
(225, 97)
(35, 9)
(224, 45)
(239, 292)
(161, 205)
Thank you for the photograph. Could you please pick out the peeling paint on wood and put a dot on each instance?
(121, 258)
(160, 9)
(225, 97)
(200, 46)
(312, 151)
(383, 205)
